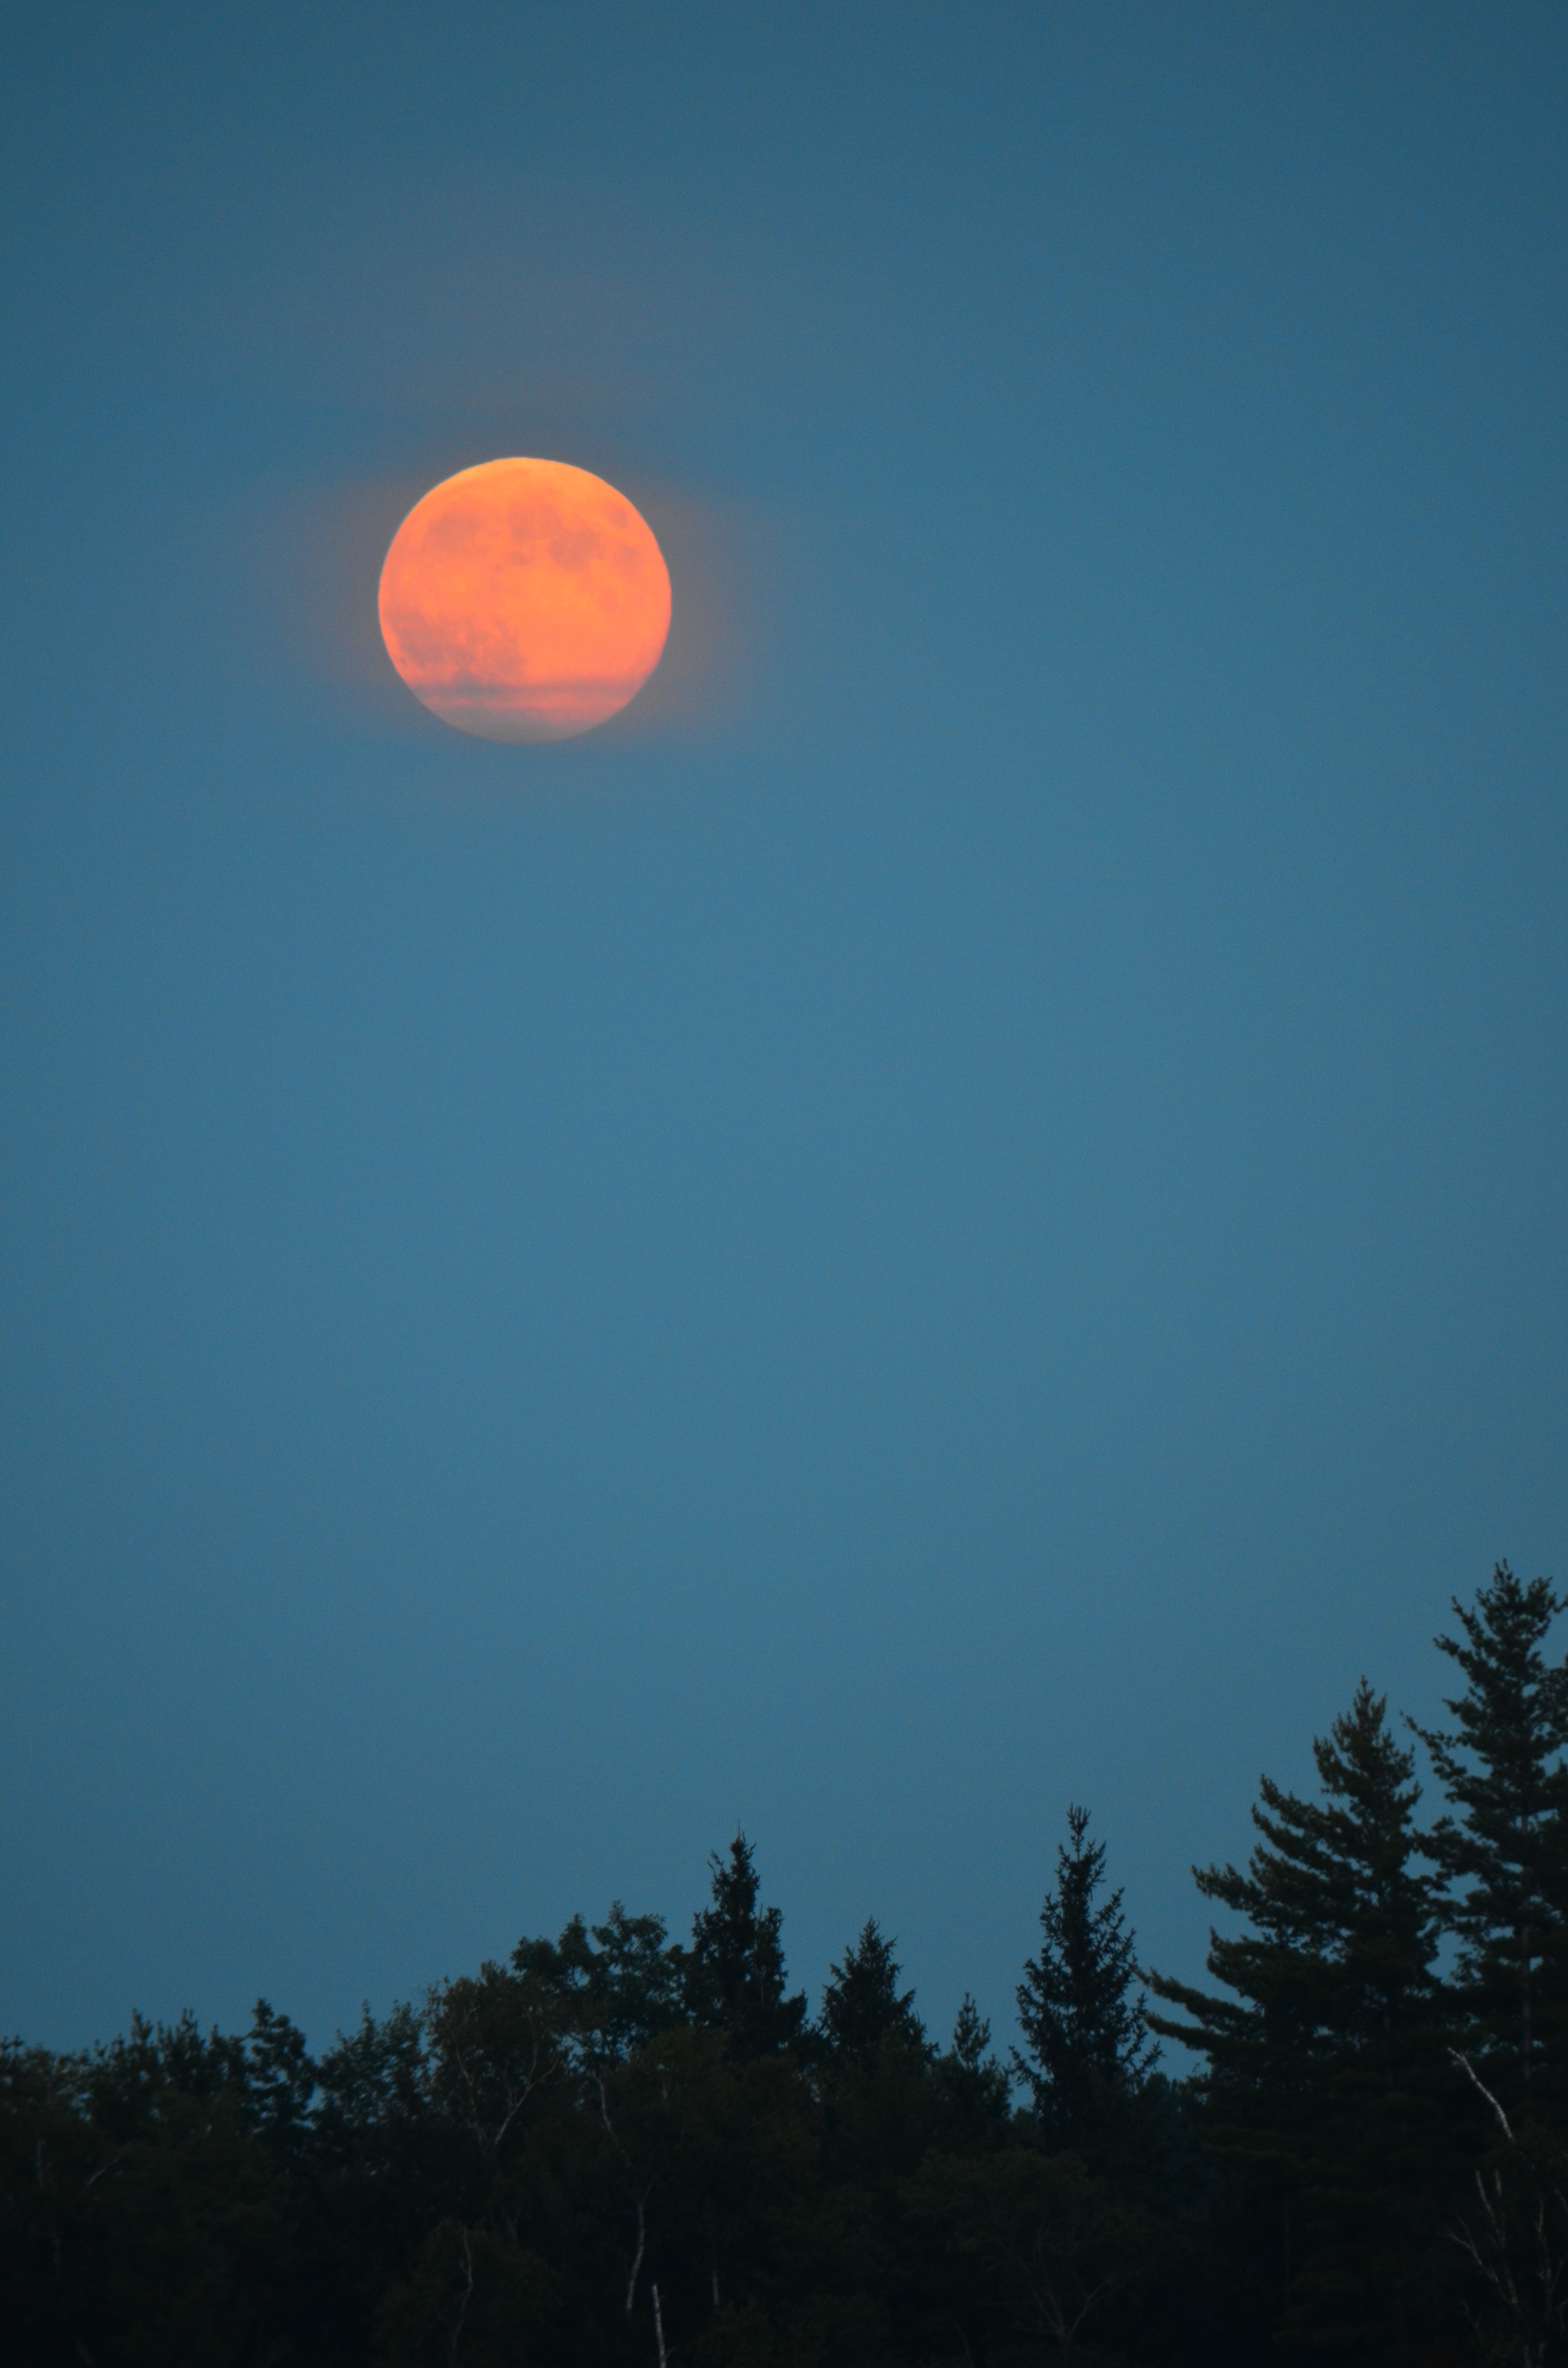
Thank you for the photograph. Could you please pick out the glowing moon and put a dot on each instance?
(525, 600)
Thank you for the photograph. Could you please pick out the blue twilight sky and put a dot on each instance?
(964, 1209)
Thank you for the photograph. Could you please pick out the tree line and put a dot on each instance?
(617, 2150)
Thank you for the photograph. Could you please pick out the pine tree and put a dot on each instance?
(735, 1965)
(1325, 2064)
(974, 2087)
(971, 2036)
(1088, 2045)
(862, 2007)
(1504, 1858)
(279, 2078)
(1502, 1768)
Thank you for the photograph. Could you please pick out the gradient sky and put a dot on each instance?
(964, 1209)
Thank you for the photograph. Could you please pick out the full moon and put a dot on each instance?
(525, 600)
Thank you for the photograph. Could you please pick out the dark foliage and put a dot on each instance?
(614, 2149)
(862, 2009)
(1088, 2050)
(735, 1975)
(1326, 2071)
(1503, 1853)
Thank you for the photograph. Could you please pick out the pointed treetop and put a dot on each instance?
(736, 1964)
(1502, 1767)
(972, 2035)
(862, 2005)
(1087, 2043)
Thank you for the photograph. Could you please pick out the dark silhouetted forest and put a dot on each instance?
(619, 2147)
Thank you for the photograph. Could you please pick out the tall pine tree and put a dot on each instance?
(1087, 2043)
(1503, 1853)
(735, 1966)
(1325, 2064)
(862, 2007)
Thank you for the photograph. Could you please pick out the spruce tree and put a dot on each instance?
(971, 2036)
(735, 1965)
(862, 2006)
(1325, 2064)
(1502, 1768)
(1088, 2044)
(973, 2086)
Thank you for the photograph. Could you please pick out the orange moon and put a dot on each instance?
(525, 600)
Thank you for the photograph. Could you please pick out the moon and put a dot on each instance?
(525, 600)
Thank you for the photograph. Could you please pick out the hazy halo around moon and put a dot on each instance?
(525, 600)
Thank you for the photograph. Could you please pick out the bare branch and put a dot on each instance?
(1467, 2068)
(637, 2257)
